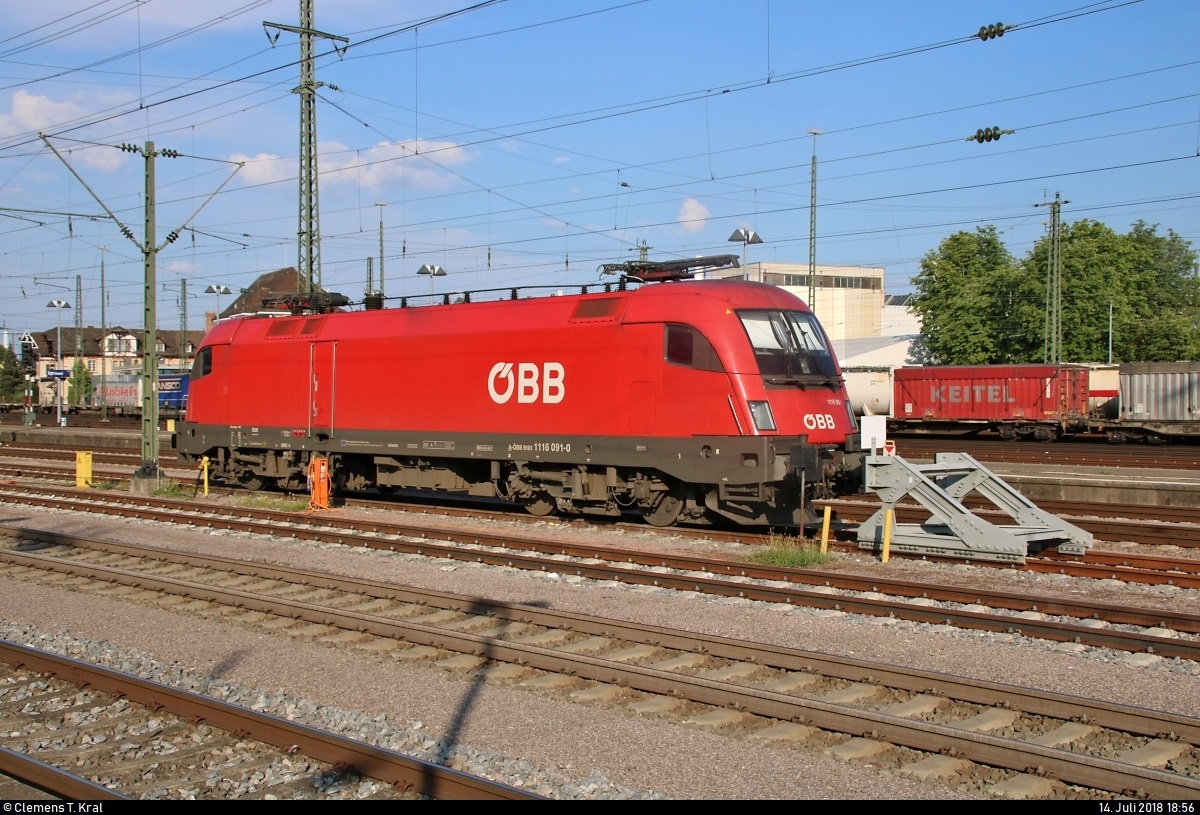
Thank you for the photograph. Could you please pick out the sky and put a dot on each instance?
(527, 142)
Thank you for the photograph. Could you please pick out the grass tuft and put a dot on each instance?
(790, 552)
(170, 489)
(276, 502)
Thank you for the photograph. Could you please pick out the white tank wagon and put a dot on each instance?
(870, 390)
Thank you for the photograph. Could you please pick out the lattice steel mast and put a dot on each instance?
(309, 232)
(1054, 332)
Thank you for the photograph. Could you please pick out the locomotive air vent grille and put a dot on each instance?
(282, 328)
(598, 309)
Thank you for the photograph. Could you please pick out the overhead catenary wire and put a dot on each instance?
(635, 198)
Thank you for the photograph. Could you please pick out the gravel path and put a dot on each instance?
(560, 748)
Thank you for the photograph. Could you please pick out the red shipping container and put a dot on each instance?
(1013, 399)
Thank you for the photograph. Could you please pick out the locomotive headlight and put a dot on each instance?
(761, 412)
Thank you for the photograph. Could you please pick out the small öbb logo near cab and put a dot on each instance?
(530, 382)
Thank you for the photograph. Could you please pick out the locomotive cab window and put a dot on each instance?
(790, 346)
(688, 347)
(203, 363)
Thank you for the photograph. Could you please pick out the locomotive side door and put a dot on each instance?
(322, 363)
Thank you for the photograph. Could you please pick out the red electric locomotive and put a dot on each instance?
(679, 400)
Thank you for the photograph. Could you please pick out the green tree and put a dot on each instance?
(1145, 279)
(79, 386)
(962, 297)
(977, 306)
(12, 377)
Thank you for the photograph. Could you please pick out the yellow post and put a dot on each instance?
(888, 518)
(825, 529)
(204, 471)
(83, 469)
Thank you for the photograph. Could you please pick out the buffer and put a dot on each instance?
(952, 530)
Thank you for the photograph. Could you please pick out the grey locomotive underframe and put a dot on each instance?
(751, 479)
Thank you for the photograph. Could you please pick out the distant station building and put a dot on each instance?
(866, 327)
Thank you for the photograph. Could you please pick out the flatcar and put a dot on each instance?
(676, 399)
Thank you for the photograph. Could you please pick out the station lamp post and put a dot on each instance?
(218, 290)
(745, 237)
(433, 270)
(58, 306)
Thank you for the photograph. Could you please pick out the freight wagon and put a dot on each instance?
(1158, 402)
(1139, 401)
(122, 393)
(1042, 402)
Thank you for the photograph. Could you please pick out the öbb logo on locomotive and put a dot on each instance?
(527, 384)
(823, 421)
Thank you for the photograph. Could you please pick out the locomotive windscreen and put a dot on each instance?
(790, 347)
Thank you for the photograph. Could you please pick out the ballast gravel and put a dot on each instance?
(558, 748)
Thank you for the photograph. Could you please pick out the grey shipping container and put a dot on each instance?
(1160, 391)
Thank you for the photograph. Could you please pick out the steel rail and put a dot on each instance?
(54, 780)
(423, 777)
(1119, 614)
(1100, 773)
(1099, 565)
(785, 658)
(1060, 632)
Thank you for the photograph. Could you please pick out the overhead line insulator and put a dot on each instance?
(987, 134)
(991, 32)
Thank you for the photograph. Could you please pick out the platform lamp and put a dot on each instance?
(745, 237)
(58, 306)
(218, 289)
(433, 270)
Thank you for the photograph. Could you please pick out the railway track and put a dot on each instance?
(1070, 452)
(81, 731)
(1151, 525)
(934, 724)
(1078, 452)
(1161, 632)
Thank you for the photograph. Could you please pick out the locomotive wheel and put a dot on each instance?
(253, 483)
(666, 511)
(540, 504)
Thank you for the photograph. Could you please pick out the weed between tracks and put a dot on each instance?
(274, 502)
(790, 552)
(169, 489)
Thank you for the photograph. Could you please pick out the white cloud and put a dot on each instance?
(265, 168)
(34, 114)
(420, 164)
(183, 267)
(693, 216)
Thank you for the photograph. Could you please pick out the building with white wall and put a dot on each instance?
(849, 299)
